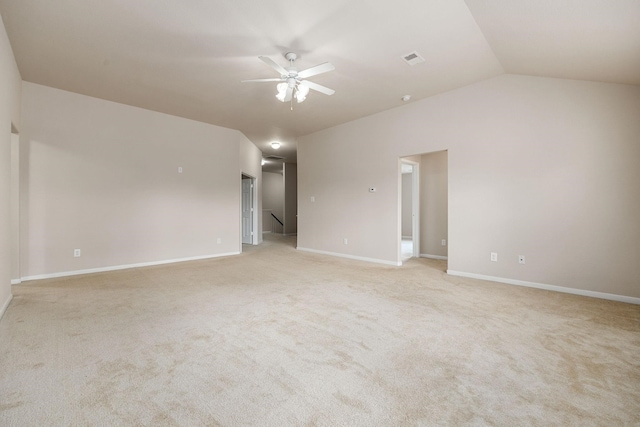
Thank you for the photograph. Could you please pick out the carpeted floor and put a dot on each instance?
(276, 337)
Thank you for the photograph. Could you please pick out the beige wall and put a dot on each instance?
(547, 168)
(290, 176)
(433, 204)
(103, 177)
(9, 115)
(273, 193)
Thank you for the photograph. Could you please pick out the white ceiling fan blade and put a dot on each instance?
(318, 69)
(262, 80)
(288, 95)
(317, 87)
(271, 63)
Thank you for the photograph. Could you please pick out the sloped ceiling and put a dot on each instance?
(596, 40)
(187, 58)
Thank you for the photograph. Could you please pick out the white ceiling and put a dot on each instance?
(187, 57)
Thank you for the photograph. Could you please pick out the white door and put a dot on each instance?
(247, 210)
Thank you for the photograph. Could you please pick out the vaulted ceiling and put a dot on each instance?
(187, 58)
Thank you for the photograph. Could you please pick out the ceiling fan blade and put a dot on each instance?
(318, 69)
(317, 87)
(287, 97)
(271, 63)
(263, 80)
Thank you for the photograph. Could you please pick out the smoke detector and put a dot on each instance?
(412, 58)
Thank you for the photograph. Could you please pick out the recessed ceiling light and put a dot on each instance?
(406, 98)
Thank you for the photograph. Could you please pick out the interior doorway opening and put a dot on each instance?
(409, 209)
(16, 276)
(248, 219)
(423, 228)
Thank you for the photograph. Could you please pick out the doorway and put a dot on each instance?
(409, 246)
(424, 205)
(15, 207)
(247, 219)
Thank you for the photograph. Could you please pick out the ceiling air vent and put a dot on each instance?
(412, 58)
(274, 158)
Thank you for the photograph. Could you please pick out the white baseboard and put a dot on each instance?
(5, 306)
(582, 292)
(16, 281)
(266, 232)
(290, 234)
(358, 258)
(124, 267)
(434, 256)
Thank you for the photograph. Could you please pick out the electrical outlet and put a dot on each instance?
(219, 240)
(494, 256)
(179, 169)
(345, 241)
(76, 253)
(313, 199)
(443, 242)
(521, 259)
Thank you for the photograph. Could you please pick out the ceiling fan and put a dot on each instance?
(292, 81)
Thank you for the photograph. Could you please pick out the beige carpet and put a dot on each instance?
(276, 337)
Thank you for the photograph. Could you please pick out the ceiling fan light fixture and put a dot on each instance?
(301, 93)
(293, 82)
(282, 91)
(275, 145)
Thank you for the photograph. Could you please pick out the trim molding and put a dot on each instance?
(358, 258)
(5, 306)
(582, 292)
(16, 281)
(434, 257)
(290, 234)
(124, 267)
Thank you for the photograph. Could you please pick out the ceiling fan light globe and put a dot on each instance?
(301, 92)
(303, 89)
(282, 91)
